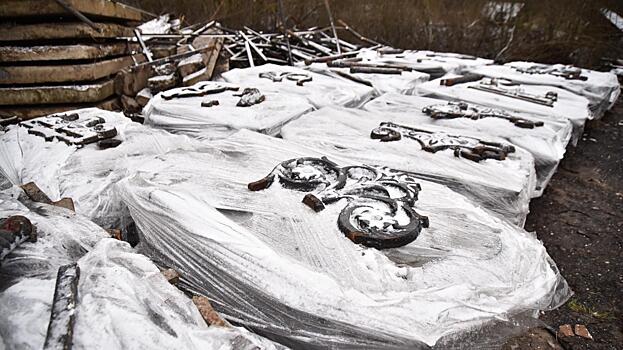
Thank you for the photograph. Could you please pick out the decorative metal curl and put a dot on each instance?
(494, 86)
(299, 78)
(567, 72)
(71, 129)
(208, 88)
(453, 110)
(379, 213)
(463, 146)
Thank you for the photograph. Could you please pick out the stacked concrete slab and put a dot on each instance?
(52, 61)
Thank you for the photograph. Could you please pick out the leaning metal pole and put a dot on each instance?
(283, 25)
(337, 40)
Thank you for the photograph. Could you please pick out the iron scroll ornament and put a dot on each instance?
(379, 213)
(566, 72)
(453, 110)
(463, 146)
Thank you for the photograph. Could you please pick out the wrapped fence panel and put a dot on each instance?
(545, 138)
(290, 272)
(504, 186)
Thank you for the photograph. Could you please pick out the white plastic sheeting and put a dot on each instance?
(403, 83)
(185, 115)
(124, 302)
(546, 143)
(320, 91)
(86, 175)
(427, 61)
(271, 263)
(504, 187)
(602, 89)
(568, 105)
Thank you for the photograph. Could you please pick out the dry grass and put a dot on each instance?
(568, 31)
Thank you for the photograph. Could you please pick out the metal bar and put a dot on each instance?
(247, 48)
(359, 36)
(250, 43)
(337, 40)
(283, 25)
(61, 326)
(146, 51)
(77, 13)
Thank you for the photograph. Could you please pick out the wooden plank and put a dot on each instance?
(98, 8)
(30, 112)
(34, 95)
(63, 52)
(69, 30)
(65, 73)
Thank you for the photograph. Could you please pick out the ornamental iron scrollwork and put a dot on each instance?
(494, 86)
(71, 129)
(299, 78)
(379, 212)
(198, 90)
(454, 110)
(567, 72)
(463, 146)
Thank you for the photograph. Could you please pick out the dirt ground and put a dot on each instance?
(580, 221)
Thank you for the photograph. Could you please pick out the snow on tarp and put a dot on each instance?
(271, 263)
(600, 88)
(403, 83)
(184, 114)
(563, 103)
(546, 142)
(503, 186)
(84, 174)
(124, 302)
(319, 89)
(437, 63)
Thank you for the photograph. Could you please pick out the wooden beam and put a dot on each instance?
(30, 112)
(64, 52)
(98, 8)
(45, 31)
(65, 73)
(50, 94)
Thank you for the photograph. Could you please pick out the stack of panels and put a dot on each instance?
(51, 61)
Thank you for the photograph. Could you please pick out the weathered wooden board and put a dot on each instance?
(64, 52)
(33, 95)
(99, 8)
(29, 112)
(65, 73)
(69, 30)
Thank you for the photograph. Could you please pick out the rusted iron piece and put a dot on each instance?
(370, 70)
(250, 97)
(70, 129)
(35, 194)
(208, 313)
(209, 103)
(463, 146)
(61, 327)
(14, 231)
(492, 86)
(197, 91)
(566, 72)
(379, 201)
(299, 78)
(467, 78)
(454, 110)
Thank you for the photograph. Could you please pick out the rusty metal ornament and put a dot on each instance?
(379, 211)
(454, 110)
(197, 91)
(567, 72)
(496, 86)
(299, 78)
(463, 146)
(71, 129)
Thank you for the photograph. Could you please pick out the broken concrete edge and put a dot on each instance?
(208, 313)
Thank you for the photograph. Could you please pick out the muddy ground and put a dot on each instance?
(580, 221)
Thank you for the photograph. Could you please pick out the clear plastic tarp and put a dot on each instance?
(601, 88)
(85, 174)
(123, 301)
(545, 138)
(534, 99)
(319, 89)
(503, 185)
(273, 264)
(210, 110)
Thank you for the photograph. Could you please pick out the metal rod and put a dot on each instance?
(146, 51)
(252, 44)
(77, 13)
(359, 36)
(247, 47)
(337, 40)
(283, 25)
